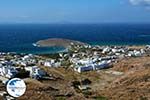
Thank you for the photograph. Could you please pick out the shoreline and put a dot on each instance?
(66, 49)
(63, 45)
(67, 42)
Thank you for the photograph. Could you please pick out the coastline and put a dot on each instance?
(53, 48)
(57, 49)
(62, 42)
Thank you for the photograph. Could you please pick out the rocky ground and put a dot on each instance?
(129, 79)
(134, 84)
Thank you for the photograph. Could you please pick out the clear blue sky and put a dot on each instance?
(74, 11)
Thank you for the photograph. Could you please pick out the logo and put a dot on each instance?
(16, 87)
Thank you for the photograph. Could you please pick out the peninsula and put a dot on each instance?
(58, 42)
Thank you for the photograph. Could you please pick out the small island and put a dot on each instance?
(58, 42)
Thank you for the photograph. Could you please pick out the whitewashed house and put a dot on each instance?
(35, 72)
(102, 65)
(23, 63)
(106, 50)
(11, 72)
(134, 53)
(84, 68)
(8, 71)
(137, 53)
(48, 64)
(85, 61)
(142, 51)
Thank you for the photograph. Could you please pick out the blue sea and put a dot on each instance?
(20, 37)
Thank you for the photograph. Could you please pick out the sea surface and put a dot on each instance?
(20, 37)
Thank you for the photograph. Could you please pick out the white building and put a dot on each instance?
(85, 61)
(102, 65)
(84, 68)
(8, 71)
(106, 50)
(35, 72)
(90, 67)
(48, 64)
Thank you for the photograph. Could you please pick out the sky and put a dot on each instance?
(74, 11)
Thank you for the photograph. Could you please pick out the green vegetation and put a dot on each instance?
(53, 56)
(60, 98)
(87, 93)
(23, 74)
(100, 98)
(65, 63)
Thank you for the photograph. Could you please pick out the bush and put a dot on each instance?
(23, 74)
(100, 98)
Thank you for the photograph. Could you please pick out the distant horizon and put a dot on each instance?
(77, 23)
(76, 11)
